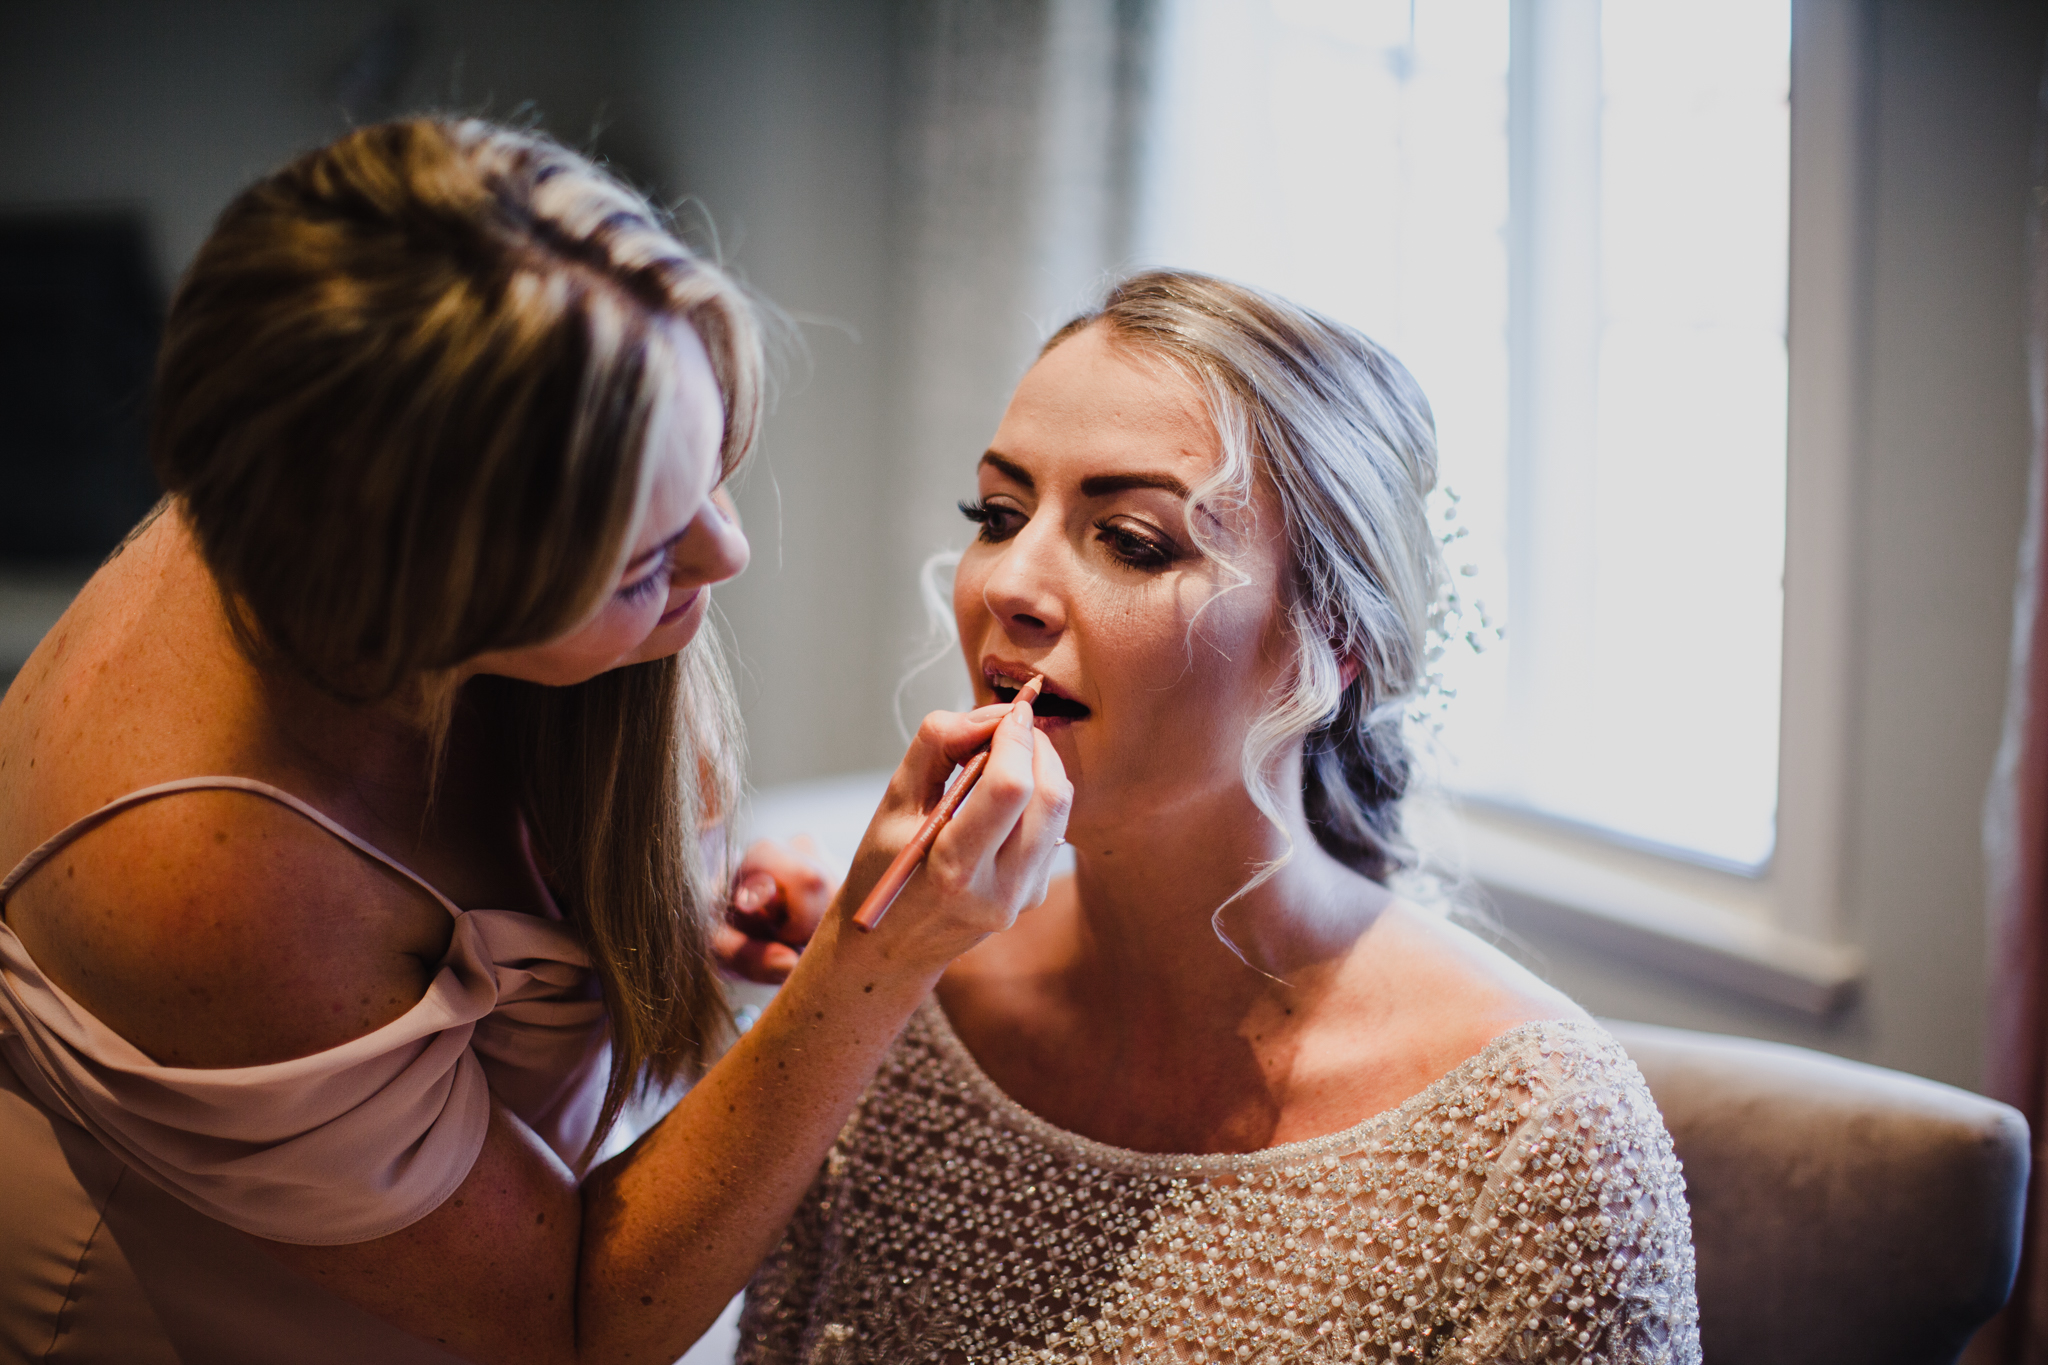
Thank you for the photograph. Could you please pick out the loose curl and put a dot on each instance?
(1341, 433)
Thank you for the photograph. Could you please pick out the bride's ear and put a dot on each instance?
(1348, 668)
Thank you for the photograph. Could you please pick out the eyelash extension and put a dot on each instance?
(990, 520)
(1132, 548)
(1128, 546)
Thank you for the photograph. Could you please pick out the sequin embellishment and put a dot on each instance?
(1526, 1207)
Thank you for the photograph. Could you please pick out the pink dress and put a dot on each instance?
(125, 1186)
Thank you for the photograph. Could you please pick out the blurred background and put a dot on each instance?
(1722, 308)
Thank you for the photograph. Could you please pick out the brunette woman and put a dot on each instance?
(353, 808)
(1226, 1097)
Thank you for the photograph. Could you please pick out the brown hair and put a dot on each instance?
(1342, 433)
(403, 400)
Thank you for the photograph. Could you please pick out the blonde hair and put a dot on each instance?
(1343, 435)
(404, 397)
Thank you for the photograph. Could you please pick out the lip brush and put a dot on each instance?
(891, 885)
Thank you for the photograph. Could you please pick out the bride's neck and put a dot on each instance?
(1146, 892)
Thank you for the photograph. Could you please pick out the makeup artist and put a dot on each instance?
(353, 808)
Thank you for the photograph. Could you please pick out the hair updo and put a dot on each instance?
(1340, 431)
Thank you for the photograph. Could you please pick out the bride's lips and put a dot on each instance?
(680, 609)
(1053, 703)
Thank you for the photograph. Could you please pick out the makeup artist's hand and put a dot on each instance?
(779, 895)
(993, 860)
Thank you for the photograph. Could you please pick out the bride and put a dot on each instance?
(1226, 1096)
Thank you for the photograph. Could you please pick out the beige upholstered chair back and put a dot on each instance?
(1840, 1212)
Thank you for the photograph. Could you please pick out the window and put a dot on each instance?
(1570, 219)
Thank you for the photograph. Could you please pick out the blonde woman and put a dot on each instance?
(1226, 1097)
(353, 808)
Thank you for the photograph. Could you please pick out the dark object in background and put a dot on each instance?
(80, 317)
(378, 68)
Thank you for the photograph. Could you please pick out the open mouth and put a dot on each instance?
(1049, 706)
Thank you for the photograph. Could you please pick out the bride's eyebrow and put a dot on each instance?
(1102, 485)
(1009, 469)
(1095, 486)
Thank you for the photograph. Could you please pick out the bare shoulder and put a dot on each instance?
(219, 928)
(1417, 997)
(1469, 977)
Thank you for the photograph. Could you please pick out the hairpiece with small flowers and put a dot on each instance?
(1458, 621)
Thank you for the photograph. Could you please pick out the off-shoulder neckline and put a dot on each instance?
(967, 1071)
(470, 943)
(85, 824)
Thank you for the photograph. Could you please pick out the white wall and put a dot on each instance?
(774, 115)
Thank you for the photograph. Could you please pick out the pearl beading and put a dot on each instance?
(1526, 1207)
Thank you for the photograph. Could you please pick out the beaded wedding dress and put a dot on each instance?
(1525, 1207)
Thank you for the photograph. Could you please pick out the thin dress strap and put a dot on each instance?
(84, 825)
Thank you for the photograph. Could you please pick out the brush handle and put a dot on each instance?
(891, 885)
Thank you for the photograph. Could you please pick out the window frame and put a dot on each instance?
(1780, 933)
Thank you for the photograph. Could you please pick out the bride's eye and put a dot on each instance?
(998, 521)
(1138, 548)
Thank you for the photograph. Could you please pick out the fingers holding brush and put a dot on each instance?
(949, 868)
(944, 741)
(1029, 850)
(991, 812)
(1001, 842)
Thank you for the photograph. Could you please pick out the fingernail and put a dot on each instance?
(755, 890)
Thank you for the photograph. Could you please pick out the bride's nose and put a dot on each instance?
(1023, 590)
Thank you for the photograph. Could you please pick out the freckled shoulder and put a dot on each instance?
(1472, 977)
(217, 928)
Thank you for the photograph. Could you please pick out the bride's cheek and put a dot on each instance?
(967, 595)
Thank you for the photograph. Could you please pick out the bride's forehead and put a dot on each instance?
(1088, 419)
(1092, 375)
